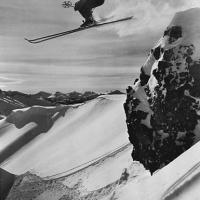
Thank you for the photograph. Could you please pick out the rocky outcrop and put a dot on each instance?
(30, 186)
(163, 105)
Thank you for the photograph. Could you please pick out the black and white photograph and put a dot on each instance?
(100, 100)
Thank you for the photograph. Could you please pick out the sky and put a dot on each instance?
(100, 59)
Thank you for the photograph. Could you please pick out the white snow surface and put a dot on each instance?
(103, 172)
(189, 20)
(180, 180)
(12, 133)
(83, 134)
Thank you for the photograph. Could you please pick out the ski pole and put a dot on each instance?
(67, 4)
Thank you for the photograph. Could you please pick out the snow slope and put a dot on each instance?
(84, 133)
(180, 180)
(82, 155)
(23, 125)
(100, 180)
(95, 181)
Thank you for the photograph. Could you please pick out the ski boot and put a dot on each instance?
(88, 22)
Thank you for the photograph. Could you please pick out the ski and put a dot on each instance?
(49, 37)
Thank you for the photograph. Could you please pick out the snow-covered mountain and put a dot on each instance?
(72, 97)
(68, 129)
(10, 100)
(163, 106)
(96, 180)
(82, 152)
(70, 146)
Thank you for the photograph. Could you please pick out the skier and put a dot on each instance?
(85, 8)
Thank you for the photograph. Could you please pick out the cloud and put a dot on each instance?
(150, 15)
(8, 80)
(5, 81)
(25, 17)
(83, 59)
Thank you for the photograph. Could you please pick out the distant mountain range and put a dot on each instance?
(72, 97)
(11, 100)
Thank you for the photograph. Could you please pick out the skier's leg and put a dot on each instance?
(88, 6)
(89, 19)
(86, 13)
(85, 8)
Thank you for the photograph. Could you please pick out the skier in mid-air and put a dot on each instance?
(85, 8)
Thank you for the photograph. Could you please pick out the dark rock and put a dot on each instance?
(174, 33)
(6, 182)
(143, 77)
(115, 92)
(157, 52)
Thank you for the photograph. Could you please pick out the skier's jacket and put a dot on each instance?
(89, 4)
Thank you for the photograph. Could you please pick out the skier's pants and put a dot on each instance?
(85, 7)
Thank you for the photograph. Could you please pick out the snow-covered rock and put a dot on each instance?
(163, 105)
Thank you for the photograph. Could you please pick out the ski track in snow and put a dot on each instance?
(83, 134)
(88, 164)
(182, 182)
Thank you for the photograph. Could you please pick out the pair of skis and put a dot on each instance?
(49, 37)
